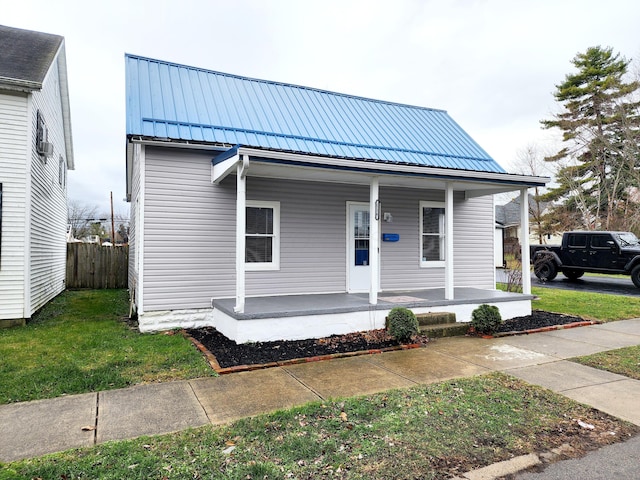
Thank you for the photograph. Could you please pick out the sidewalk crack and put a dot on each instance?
(95, 425)
(199, 402)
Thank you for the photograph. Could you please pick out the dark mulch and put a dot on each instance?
(230, 354)
(537, 319)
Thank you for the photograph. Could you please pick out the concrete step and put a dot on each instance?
(445, 330)
(435, 318)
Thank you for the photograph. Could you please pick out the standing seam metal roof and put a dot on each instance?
(168, 100)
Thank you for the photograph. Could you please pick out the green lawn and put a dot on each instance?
(78, 343)
(624, 361)
(432, 431)
(592, 306)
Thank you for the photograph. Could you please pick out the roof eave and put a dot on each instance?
(371, 166)
(19, 85)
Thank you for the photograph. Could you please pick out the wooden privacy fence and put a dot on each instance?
(90, 265)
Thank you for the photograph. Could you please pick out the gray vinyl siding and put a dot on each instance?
(189, 232)
(400, 261)
(48, 199)
(189, 235)
(13, 177)
(313, 237)
(473, 243)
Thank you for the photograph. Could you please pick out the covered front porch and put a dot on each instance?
(293, 317)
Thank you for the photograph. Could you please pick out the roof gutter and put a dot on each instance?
(19, 85)
(445, 173)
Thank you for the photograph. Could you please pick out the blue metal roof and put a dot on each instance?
(167, 100)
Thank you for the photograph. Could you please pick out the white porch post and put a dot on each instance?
(241, 220)
(374, 240)
(524, 242)
(448, 263)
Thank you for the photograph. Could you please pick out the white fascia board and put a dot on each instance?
(461, 175)
(220, 171)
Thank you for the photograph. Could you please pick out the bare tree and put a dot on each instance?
(80, 217)
(530, 161)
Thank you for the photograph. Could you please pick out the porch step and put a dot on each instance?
(445, 330)
(435, 318)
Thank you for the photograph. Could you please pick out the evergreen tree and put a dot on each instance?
(597, 167)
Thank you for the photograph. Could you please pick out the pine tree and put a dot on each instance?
(597, 167)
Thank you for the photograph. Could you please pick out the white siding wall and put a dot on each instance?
(134, 218)
(189, 235)
(14, 142)
(48, 199)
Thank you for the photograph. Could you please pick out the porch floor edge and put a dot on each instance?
(337, 303)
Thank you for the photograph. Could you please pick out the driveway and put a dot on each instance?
(612, 285)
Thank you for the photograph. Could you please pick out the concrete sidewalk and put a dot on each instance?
(35, 428)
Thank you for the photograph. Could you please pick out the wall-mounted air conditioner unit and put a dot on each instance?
(45, 149)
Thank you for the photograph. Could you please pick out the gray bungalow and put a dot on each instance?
(274, 211)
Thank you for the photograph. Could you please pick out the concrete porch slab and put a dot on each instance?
(36, 428)
(148, 410)
(345, 377)
(553, 345)
(245, 394)
(564, 375)
(619, 398)
(426, 366)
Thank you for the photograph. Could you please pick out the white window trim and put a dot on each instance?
(443, 238)
(275, 261)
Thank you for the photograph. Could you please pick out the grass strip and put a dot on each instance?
(623, 361)
(429, 432)
(78, 343)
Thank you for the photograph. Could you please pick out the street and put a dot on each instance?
(621, 285)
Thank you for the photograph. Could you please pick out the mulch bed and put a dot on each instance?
(229, 354)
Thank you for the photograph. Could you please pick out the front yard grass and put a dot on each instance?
(78, 343)
(624, 361)
(591, 306)
(430, 432)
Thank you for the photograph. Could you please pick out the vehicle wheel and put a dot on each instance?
(635, 276)
(545, 270)
(572, 274)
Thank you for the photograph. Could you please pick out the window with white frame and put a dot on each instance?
(432, 234)
(262, 236)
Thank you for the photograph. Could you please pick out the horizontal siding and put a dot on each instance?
(48, 200)
(189, 235)
(13, 177)
(313, 241)
(473, 243)
(400, 261)
(189, 232)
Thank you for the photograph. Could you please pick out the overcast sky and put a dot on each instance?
(492, 64)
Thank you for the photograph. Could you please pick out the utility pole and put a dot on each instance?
(113, 229)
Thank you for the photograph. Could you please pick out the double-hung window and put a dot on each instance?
(262, 236)
(432, 234)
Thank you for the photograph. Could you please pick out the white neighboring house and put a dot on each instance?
(35, 153)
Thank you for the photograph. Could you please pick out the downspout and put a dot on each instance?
(241, 220)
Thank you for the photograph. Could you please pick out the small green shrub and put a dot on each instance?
(486, 319)
(402, 323)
